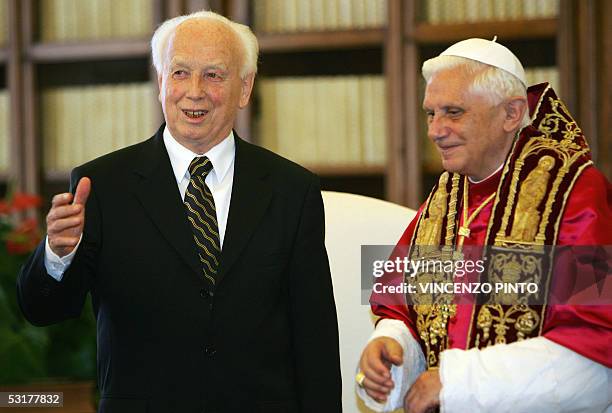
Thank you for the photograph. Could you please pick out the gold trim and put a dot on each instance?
(536, 112)
(452, 210)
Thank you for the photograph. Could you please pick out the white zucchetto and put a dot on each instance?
(489, 52)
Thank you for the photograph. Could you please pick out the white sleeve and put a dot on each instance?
(403, 376)
(56, 265)
(534, 375)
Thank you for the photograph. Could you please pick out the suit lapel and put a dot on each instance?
(251, 195)
(161, 199)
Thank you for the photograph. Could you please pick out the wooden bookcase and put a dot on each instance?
(576, 42)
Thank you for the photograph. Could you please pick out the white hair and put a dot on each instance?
(489, 81)
(250, 46)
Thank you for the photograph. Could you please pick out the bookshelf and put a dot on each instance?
(321, 40)
(392, 47)
(336, 57)
(4, 108)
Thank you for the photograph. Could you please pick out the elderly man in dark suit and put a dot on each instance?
(204, 255)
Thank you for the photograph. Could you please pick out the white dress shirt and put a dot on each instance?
(220, 181)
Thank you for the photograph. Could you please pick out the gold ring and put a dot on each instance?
(359, 378)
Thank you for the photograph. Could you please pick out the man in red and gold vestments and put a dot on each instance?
(518, 177)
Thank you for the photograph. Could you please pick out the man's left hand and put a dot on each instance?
(424, 395)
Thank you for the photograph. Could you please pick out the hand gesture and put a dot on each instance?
(375, 363)
(66, 219)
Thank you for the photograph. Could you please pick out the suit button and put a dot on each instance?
(210, 350)
(205, 293)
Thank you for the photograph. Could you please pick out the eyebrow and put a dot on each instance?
(447, 107)
(188, 64)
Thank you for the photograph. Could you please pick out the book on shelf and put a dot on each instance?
(4, 131)
(289, 14)
(3, 22)
(66, 20)
(81, 123)
(467, 11)
(278, 16)
(345, 14)
(324, 121)
(550, 74)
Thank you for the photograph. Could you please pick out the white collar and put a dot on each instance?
(473, 181)
(221, 156)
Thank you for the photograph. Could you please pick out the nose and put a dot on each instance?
(436, 127)
(196, 88)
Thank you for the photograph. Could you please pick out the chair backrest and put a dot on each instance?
(351, 221)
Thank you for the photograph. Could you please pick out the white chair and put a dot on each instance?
(351, 221)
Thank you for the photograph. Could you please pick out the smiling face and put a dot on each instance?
(200, 86)
(471, 134)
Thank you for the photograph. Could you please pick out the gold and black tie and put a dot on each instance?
(202, 215)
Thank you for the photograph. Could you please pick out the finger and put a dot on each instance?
(380, 376)
(372, 385)
(82, 191)
(376, 378)
(61, 199)
(378, 396)
(64, 224)
(373, 359)
(393, 352)
(64, 211)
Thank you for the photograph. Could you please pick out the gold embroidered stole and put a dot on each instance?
(546, 159)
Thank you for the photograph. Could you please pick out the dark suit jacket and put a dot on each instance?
(265, 341)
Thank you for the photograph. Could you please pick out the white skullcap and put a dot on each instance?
(489, 52)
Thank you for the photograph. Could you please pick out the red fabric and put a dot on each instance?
(587, 220)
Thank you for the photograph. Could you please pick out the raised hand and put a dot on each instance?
(66, 218)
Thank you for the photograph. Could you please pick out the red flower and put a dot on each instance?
(23, 201)
(5, 208)
(24, 238)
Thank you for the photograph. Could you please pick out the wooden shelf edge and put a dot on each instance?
(321, 40)
(57, 176)
(426, 33)
(347, 170)
(88, 50)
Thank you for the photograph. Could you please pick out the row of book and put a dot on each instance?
(62, 20)
(324, 121)
(4, 131)
(550, 74)
(82, 123)
(467, 11)
(337, 120)
(273, 16)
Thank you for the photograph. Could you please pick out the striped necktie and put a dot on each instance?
(202, 215)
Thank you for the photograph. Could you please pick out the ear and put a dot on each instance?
(247, 88)
(515, 109)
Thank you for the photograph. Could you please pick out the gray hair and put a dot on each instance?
(489, 81)
(250, 46)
